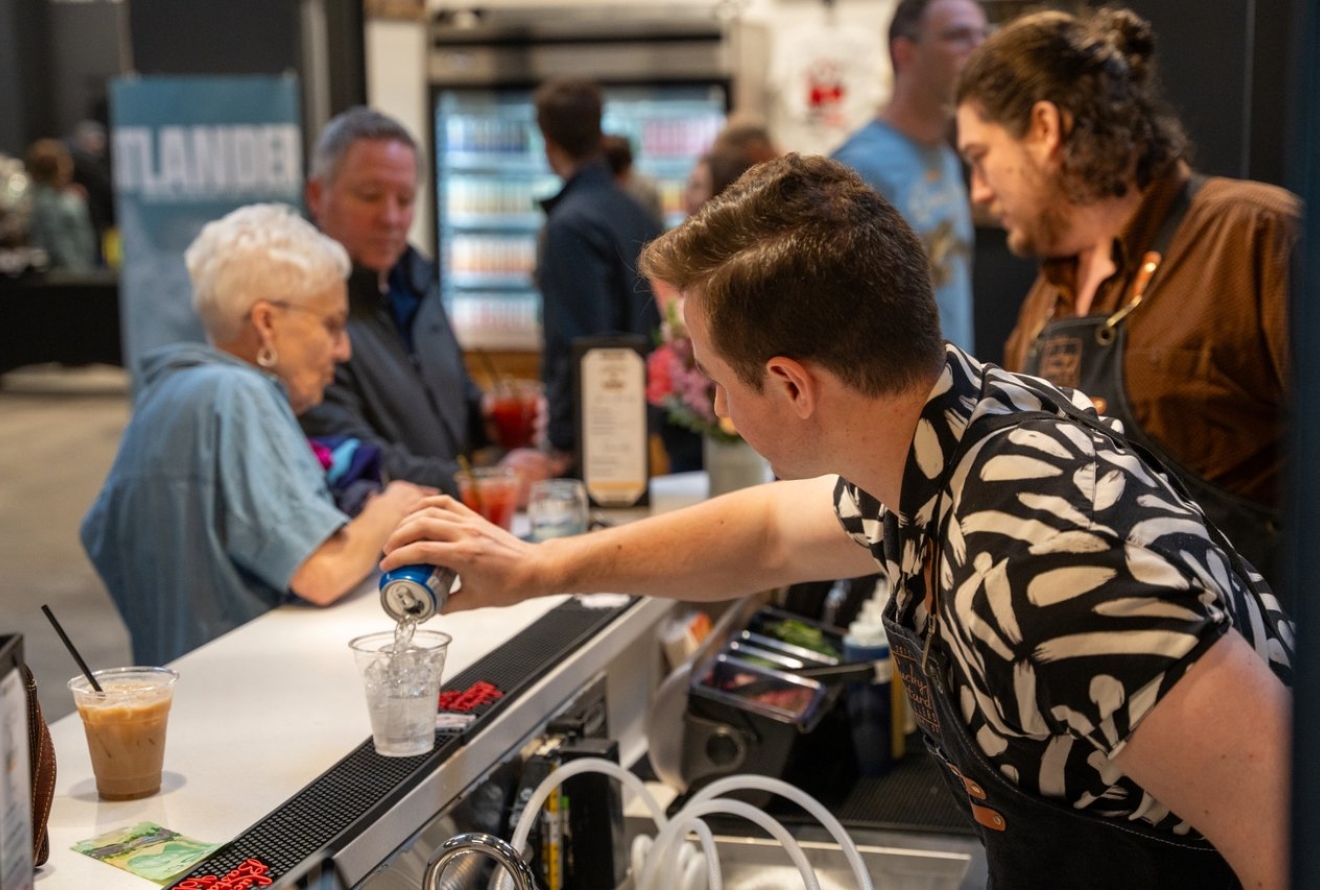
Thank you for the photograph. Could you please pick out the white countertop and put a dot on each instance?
(232, 755)
(258, 714)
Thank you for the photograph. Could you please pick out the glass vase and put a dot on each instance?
(733, 465)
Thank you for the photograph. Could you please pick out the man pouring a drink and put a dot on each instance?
(1105, 678)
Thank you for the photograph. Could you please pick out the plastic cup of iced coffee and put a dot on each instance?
(401, 672)
(125, 725)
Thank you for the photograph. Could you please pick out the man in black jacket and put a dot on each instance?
(406, 388)
(587, 257)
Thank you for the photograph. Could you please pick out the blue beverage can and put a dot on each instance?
(415, 593)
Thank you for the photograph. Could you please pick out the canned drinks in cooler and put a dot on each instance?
(415, 593)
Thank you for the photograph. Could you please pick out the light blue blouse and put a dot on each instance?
(213, 502)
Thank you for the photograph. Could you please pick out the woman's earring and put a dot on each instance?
(267, 357)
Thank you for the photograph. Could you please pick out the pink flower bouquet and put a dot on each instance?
(675, 383)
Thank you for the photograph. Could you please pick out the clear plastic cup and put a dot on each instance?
(125, 725)
(402, 688)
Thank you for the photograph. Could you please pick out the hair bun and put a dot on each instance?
(1130, 35)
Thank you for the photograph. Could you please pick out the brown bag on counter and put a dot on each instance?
(42, 754)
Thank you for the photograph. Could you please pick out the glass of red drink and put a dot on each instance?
(492, 492)
(513, 405)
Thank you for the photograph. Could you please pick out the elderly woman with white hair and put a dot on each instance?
(216, 509)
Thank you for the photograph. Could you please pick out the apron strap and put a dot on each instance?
(1150, 262)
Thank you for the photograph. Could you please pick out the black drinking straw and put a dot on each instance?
(68, 644)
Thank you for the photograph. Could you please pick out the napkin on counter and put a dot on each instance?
(147, 850)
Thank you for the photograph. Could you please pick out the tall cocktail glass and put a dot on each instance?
(492, 492)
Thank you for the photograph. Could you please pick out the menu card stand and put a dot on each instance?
(15, 766)
(612, 449)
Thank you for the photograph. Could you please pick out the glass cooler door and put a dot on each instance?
(491, 174)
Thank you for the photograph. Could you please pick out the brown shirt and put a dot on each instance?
(1207, 358)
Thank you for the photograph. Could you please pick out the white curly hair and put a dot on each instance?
(258, 252)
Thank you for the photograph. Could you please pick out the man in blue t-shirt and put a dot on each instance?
(905, 154)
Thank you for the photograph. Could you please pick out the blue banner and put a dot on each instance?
(188, 150)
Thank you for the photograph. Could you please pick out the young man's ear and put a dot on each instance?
(795, 381)
(312, 192)
(900, 52)
(1047, 127)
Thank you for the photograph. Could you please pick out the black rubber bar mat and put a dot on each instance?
(364, 785)
(912, 796)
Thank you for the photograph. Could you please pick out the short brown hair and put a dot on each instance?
(726, 165)
(344, 130)
(906, 22)
(568, 113)
(1099, 71)
(801, 258)
(48, 162)
(618, 153)
(750, 139)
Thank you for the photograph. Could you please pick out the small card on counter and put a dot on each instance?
(147, 850)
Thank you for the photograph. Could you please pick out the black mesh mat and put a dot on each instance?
(364, 785)
(912, 796)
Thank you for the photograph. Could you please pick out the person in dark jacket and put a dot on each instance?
(587, 256)
(406, 388)
(643, 189)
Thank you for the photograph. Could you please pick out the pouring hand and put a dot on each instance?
(496, 568)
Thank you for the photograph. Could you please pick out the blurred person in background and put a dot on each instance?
(587, 253)
(716, 170)
(14, 187)
(90, 150)
(640, 187)
(713, 172)
(216, 509)
(59, 224)
(406, 389)
(747, 136)
(905, 154)
(1162, 294)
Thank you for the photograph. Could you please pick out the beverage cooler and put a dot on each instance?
(666, 87)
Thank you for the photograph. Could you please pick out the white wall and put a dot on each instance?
(396, 85)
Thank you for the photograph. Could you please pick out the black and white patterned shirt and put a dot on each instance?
(1075, 586)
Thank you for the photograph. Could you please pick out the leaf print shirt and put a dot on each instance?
(1075, 585)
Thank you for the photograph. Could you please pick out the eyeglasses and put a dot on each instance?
(962, 35)
(335, 326)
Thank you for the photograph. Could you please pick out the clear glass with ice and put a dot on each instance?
(556, 508)
(402, 681)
